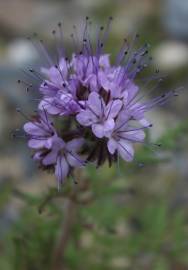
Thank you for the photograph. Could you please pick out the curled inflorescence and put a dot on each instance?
(90, 109)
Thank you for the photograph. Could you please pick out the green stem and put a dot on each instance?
(69, 220)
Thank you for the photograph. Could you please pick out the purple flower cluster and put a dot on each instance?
(90, 109)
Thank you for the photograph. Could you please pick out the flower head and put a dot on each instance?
(94, 103)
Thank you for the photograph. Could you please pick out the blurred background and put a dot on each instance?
(134, 218)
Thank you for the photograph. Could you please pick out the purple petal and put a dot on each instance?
(36, 144)
(95, 103)
(53, 75)
(108, 127)
(58, 143)
(132, 90)
(122, 120)
(61, 169)
(50, 158)
(112, 146)
(125, 150)
(63, 67)
(136, 135)
(113, 108)
(86, 118)
(74, 160)
(48, 89)
(75, 144)
(104, 81)
(48, 143)
(48, 105)
(93, 83)
(144, 122)
(104, 61)
(34, 129)
(98, 130)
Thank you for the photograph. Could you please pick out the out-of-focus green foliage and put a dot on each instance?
(117, 226)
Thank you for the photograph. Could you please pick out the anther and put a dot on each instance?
(146, 52)
(18, 109)
(134, 61)
(158, 144)
(13, 135)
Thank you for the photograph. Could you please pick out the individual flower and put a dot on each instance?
(68, 158)
(86, 69)
(123, 137)
(40, 131)
(64, 156)
(51, 149)
(98, 115)
(62, 104)
(56, 75)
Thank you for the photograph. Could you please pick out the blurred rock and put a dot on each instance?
(120, 262)
(21, 52)
(26, 16)
(130, 15)
(11, 167)
(175, 17)
(171, 55)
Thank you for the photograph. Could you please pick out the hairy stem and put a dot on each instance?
(69, 219)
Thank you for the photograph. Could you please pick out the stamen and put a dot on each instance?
(62, 49)
(28, 86)
(36, 74)
(57, 51)
(106, 34)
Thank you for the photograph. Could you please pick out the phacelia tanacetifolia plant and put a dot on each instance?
(91, 109)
